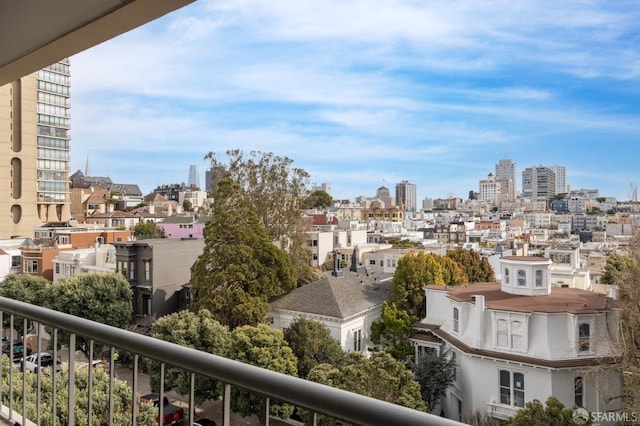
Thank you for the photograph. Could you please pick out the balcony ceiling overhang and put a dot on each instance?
(37, 33)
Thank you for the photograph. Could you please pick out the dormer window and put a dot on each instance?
(522, 278)
(584, 337)
(456, 319)
(539, 277)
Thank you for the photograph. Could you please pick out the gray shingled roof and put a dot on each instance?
(338, 297)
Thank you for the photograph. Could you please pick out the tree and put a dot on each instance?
(187, 206)
(312, 344)
(145, 230)
(25, 288)
(102, 297)
(615, 268)
(435, 372)
(317, 199)
(452, 272)
(100, 397)
(413, 272)
(240, 268)
(270, 184)
(477, 269)
(380, 377)
(194, 330)
(264, 347)
(301, 256)
(393, 330)
(553, 414)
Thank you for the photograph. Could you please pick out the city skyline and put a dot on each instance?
(361, 97)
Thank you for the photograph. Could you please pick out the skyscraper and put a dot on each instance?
(538, 183)
(194, 176)
(561, 178)
(506, 170)
(34, 151)
(406, 195)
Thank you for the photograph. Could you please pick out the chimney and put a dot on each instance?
(336, 265)
(152, 209)
(354, 260)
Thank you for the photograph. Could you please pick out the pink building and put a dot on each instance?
(184, 226)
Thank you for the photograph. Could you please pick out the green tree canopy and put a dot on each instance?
(187, 206)
(145, 230)
(240, 268)
(476, 268)
(194, 330)
(435, 372)
(264, 347)
(553, 413)
(100, 401)
(102, 297)
(393, 330)
(616, 267)
(380, 377)
(312, 344)
(317, 199)
(414, 271)
(25, 288)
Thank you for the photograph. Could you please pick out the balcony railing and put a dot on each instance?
(319, 399)
(501, 411)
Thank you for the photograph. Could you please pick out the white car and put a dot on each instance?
(30, 363)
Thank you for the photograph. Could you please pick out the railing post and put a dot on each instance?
(71, 383)
(112, 374)
(226, 405)
(134, 390)
(192, 385)
(24, 377)
(90, 385)
(267, 404)
(161, 395)
(54, 396)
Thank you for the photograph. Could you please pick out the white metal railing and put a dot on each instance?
(501, 411)
(319, 399)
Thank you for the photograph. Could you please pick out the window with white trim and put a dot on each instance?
(506, 275)
(456, 319)
(522, 278)
(578, 386)
(31, 266)
(584, 337)
(510, 331)
(357, 340)
(511, 388)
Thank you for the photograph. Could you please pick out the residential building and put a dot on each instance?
(11, 255)
(452, 233)
(157, 270)
(88, 201)
(506, 170)
(179, 227)
(69, 236)
(326, 187)
(538, 183)
(391, 214)
(172, 191)
(522, 339)
(34, 150)
(384, 260)
(561, 178)
(494, 190)
(347, 304)
(38, 260)
(566, 269)
(101, 258)
(384, 195)
(321, 243)
(406, 196)
(114, 219)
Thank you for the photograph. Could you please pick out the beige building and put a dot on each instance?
(34, 151)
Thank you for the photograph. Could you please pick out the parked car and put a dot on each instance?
(18, 347)
(204, 422)
(30, 363)
(171, 414)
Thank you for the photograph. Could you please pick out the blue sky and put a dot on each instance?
(368, 93)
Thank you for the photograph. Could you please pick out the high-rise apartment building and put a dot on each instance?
(506, 170)
(493, 190)
(538, 183)
(34, 151)
(194, 176)
(406, 195)
(561, 178)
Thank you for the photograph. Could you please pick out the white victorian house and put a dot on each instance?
(346, 302)
(521, 340)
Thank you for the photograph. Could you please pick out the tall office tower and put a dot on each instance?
(326, 187)
(406, 195)
(506, 169)
(194, 177)
(538, 183)
(34, 151)
(561, 178)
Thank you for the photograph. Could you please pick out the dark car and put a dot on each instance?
(204, 422)
(171, 414)
(17, 349)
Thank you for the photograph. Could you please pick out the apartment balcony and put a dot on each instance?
(317, 398)
(501, 411)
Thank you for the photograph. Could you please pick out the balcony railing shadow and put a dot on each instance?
(319, 399)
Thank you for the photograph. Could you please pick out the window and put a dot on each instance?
(147, 270)
(372, 262)
(357, 340)
(15, 261)
(517, 335)
(57, 268)
(578, 385)
(584, 337)
(506, 275)
(522, 278)
(539, 275)
(315, 243)
(456, 319)
(132, 270)
(502, 330)
(511, 388)
(31, 266)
